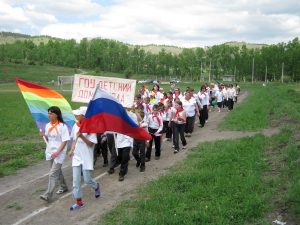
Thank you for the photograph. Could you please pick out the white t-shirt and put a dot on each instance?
(54, 141)
(83, 154)
(189, 106)
(123, 141)
(219, 96)
(202, 99)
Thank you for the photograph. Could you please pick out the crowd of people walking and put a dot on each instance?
(169, 116)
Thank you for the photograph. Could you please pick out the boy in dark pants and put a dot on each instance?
(113, 152)
(101, 148)
(139, 146)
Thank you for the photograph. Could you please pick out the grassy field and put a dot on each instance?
(243, 181)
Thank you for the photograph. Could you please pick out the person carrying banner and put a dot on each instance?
(57, 135)
(82, 159)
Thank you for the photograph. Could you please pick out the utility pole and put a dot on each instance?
(201, 72)
(266, 74)
(234, 73)
(252, 70)
(282, 72)
(209, 71)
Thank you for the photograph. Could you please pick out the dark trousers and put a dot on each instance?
(172, 128)
(168, 129)
(101, 148)
(138, 152)
(157, 142)
(179, 130)
(224, 103)
(203, 115)
(112, 149)
(230, 103)
(189, 126)
(123, 158)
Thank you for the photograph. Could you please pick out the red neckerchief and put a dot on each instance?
(148, 108)
(79, 123)
(54, 126)
(157, 118)
(177, 112)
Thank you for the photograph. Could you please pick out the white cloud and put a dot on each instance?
(173, 22)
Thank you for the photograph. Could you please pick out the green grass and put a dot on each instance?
(272, 105)
(223, 182)
(218, 183)
(18, 155)
(38, 73)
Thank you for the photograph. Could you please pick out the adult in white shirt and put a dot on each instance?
(225, 96)
(177, 95)
(57, 136)
(202, 104)
(156, 93)
(190, 107)
(82, 159)
(231, 96)
(219, 98)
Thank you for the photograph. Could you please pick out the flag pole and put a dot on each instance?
(115, 140)
(70, 153)
(45, 140)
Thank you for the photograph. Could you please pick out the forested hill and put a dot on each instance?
(9, 37)
(246, 62)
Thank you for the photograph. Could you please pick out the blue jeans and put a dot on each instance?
(87, 176)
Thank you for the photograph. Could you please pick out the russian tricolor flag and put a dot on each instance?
(105, 113)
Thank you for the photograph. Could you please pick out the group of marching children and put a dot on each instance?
(163, 114)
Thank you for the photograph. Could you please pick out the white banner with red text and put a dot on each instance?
(121, 89)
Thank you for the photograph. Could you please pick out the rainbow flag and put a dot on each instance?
(39, 99)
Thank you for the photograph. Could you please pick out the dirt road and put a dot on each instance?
(19, 194)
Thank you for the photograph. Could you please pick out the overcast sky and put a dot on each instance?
(184, 23)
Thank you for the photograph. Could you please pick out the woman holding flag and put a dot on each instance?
(57, 136)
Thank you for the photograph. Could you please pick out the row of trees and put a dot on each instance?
(108, 55)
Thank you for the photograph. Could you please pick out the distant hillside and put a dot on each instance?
(9, 37)
(248, 45)
(155, 49)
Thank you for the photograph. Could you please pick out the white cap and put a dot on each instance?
(80, 111)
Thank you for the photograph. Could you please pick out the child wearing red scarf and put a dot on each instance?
(155, 126)
(179, 120)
